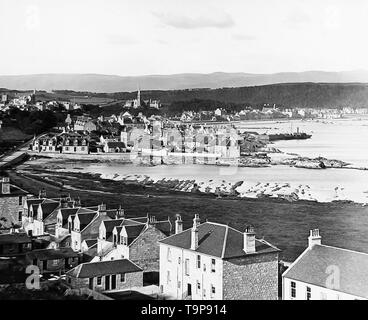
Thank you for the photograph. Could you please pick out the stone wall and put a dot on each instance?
(10, 208)
(145, 251)
(254, 277)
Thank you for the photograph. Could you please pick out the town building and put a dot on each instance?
(85, 223)
(136, 239)
(12, 200)
(106, 276)
(37, 212)
(212, 261)
(53, 260)
(324, 272)
(14, 243)
(83, 123)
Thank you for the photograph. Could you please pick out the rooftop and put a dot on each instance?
(218, 240)
(14, 238)
(101, 268)
(311, 268)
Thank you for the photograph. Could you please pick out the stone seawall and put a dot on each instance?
(125, 157)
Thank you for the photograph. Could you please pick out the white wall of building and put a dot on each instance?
(317, 292)
(174, 279)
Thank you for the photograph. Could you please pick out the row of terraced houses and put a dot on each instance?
(106, 251)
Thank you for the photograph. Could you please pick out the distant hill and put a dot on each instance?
(113, 83)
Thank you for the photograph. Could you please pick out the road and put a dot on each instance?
(10, 156)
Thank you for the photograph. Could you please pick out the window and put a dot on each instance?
(20, 200)
(55, 262)
(293, 289)
(179, 260)
(99, 281)
(198, 261)
(213, 291)
(124, 241)
(169, 254)
(20, 216)
(168, 277)
(122, 277)
(213, 265)
(186, 267)
(309, 293)
(66, 148)
(179, 284)
(204, 267)
(198, 287)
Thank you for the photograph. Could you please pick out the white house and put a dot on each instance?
(213, 261)
(326, 273)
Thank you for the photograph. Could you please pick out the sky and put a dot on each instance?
(142, 37)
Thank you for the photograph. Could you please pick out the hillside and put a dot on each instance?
(114, 83)
(310, 95)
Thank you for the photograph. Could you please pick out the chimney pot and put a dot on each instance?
(314, 238)
(5, 186)
(249, 245)
(178, 224)
(194, 233)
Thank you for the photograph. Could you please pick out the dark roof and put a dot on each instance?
(66, 212)
(91, 242)
(51, 254)
(311, 268)
(85, 219)
(133, 231)
(14, 192)
(101, 268)
(218, 240)
(116, 144)
(8, 238)
(164, 226)
(110, 225)
(33, 201)
(48, 207)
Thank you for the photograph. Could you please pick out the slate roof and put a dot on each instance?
(116, 144)
(85, 219)
(133, 231)
(9, 238)
(51, 254)
(33, 201)
(48, 207)
(66, 212)
(164, 226)
(311, 268)
(91, 242)
(14, 192)
(101, 268)
(218, 240)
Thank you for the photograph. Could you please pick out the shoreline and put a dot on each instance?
(216, 187)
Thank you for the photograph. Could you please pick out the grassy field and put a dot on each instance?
(282, 223)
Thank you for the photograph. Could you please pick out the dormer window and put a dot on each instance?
(124, 241)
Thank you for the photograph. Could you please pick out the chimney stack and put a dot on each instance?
(194, 231)
(120, 213)
(102, 209)
(314, 238)
(249, 240)
(178, 224)
(42, 194)
(5, 186)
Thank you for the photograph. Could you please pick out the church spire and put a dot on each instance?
(139, 97)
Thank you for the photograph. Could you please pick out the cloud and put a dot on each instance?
(214, 19)
(243, 37)
(119, 40)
